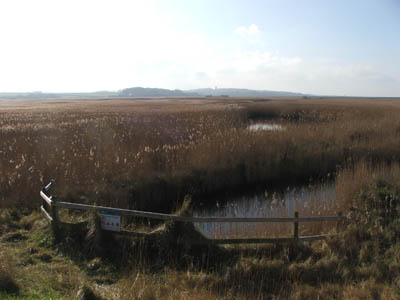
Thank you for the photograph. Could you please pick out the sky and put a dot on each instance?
(341, 47)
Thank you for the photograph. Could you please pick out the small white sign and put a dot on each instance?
(111, 222)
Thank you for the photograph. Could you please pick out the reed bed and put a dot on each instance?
(150, 154)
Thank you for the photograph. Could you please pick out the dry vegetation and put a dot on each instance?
(149, 154)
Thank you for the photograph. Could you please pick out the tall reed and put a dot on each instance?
(150, 154)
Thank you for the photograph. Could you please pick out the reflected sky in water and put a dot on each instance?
(265, 127)
(309, 200)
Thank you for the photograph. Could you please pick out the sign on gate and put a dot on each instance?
(110, 221)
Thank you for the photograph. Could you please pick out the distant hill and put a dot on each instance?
(154, 92)
(140, 92)
(244, 93)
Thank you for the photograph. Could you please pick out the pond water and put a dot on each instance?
(307, 200)
(265, 127)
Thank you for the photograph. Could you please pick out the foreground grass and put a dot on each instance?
(363, 262)
(32, 266)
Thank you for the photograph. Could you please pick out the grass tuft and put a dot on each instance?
(8, 283)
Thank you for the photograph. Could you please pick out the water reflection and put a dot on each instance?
(309, 200)
(265, 126)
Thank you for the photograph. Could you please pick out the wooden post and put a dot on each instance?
(339, 222)
(55, 223)
(296, 226)
(44, 205)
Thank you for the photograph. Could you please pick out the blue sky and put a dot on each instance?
(319, 47)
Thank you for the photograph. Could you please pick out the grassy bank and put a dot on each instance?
(363, 262)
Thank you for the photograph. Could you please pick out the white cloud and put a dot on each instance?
(250, 31)
(258, 69)
(255, 60)
(253, 29)
(345, 78)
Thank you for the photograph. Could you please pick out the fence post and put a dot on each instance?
(339, 222)
(44, 205)
(54, 215)
(296, 226)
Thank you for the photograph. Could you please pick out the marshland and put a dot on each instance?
(236, 157)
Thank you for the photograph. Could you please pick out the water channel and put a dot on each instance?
(307, 200)
(265, 127)
(319, 199)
